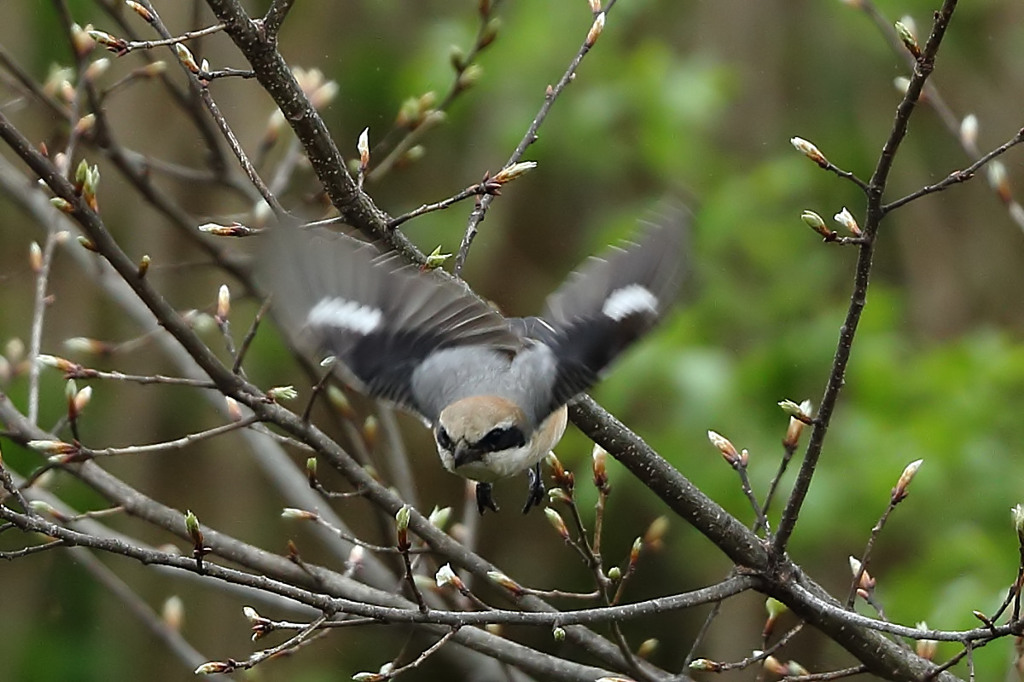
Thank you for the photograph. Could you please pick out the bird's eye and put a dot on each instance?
(502, 438)
(443, 439)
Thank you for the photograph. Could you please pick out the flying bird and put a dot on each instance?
(493, 389)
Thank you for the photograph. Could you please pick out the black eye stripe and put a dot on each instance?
(502, 438)
(443, 439)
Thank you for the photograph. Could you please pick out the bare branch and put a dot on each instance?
(550, 96)
(876, 188)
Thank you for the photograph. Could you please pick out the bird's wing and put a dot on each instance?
(606, 305)
(379, 317)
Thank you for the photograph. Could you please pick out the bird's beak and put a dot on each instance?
(465, 454)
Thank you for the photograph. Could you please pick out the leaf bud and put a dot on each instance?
(906, 35)
(279, 393)
(816, 223)
(557, 522)
(809, 150)
(846, 219)
(595, 29)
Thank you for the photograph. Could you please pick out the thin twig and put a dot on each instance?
(471, 191)
(261, 626)
(705, 629)
(846, 175)
(932, 97)
(32, 549)
(427, 653)
(384, 549)
(773, 487)
(177, 444)
(561, 594)
(403, 548)
(8, 484)
(595, 563)
(249, 336)
(758, 656)
(286, 647)
(866, 555)
(132, 45)
(26, 81)
(831, 675)
(186, 100)
(38, 313)
(434, 115)
(79, 372)
(740, 465)
(240, 155)
(957, 176)
(550, 96)
(876, 189)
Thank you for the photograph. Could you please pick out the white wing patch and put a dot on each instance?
(338, 312)
(629, 300)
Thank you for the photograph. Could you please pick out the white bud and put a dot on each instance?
(969, 130)
(223, 302)
(809, 150)
(173, 612)
(846, 219)
(445, 576)
(512, 172)
(186, 58)
(363, 147)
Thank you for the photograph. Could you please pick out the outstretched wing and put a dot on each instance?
(608, 304)
(379, 317)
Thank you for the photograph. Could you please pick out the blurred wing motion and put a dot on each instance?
(380, 318)
(608, 304)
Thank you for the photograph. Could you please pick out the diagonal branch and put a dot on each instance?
(875, 213)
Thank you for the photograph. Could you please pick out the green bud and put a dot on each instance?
(469, 77)
(792, 409)
(81, 172)
(192, 526)
(774, 607)
(439, 517)
(279, 393)
(402, 517)
(70, 389)
(908, 38)
(436, 259)
(61, 204)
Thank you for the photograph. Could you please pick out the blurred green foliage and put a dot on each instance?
(695, 101)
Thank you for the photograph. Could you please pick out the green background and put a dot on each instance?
(694, 101)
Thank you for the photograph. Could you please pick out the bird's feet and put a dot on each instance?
(536, 488)
(485, 498)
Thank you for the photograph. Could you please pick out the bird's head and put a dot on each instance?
(482, 437)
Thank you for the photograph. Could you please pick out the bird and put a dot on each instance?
(493, 390)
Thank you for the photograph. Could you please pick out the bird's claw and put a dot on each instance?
(536, 488)
(485, 498)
